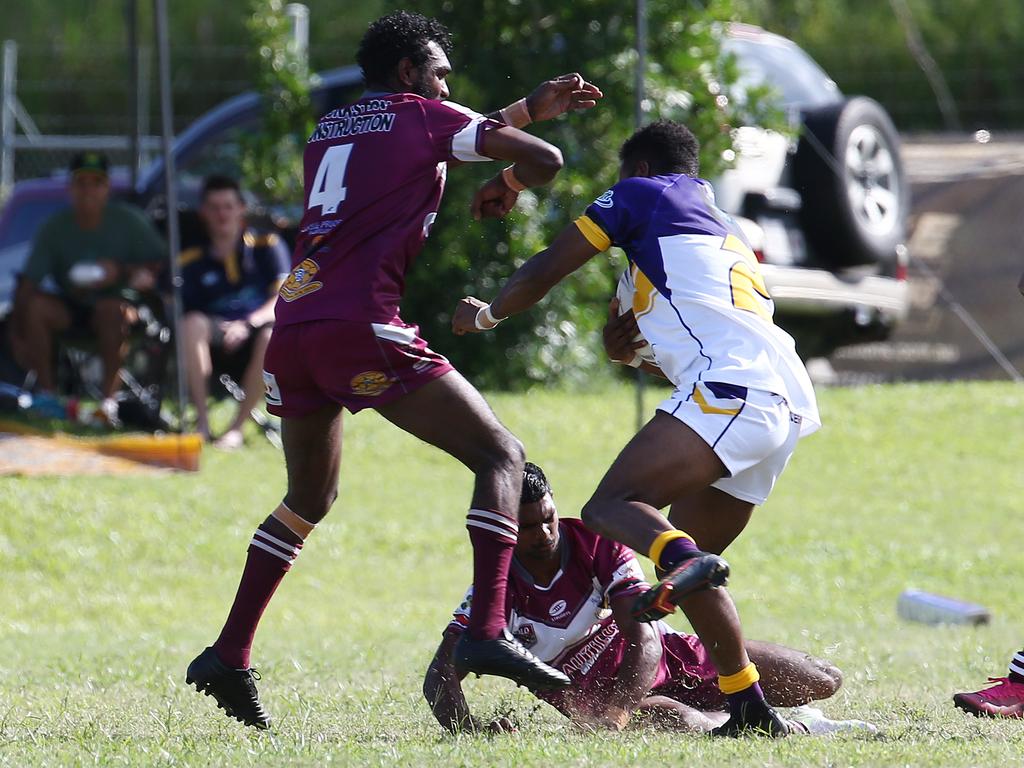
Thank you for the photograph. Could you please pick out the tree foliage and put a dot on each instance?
(526, 42)
(977, 45)
(272, 158)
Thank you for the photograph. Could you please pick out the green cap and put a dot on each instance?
(92, 162)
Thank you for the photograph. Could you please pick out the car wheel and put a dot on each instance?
(850, 175)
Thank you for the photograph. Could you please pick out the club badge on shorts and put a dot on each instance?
(370, 383)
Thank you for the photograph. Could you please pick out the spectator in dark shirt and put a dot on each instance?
(92, 251)
(229, 287)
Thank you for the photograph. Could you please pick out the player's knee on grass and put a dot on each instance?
(815, 680)
(830, 680)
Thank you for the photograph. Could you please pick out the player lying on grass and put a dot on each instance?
(570, 598)
(374, 175)
(715, 448)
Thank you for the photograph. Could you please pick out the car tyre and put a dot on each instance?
(850, 175)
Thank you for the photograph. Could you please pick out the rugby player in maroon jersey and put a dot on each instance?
(374, 174)
(570, 600)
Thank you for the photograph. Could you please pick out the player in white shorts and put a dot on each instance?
(743, 398)
(751, 428)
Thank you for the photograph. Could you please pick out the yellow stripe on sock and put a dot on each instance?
(742, 680)
(658, 546)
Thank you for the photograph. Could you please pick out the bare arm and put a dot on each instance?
(619, 334)
(442, 688)
(531, 282)
(264, 314)
(534, 163)
(23, 296)
(639, 663)
(565, 93)
(664, 712)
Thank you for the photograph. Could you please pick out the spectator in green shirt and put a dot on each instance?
(92, 250)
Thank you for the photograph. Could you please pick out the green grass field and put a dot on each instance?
(110, 586)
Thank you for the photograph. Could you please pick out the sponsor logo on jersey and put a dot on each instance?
(341, 127)
(525, 634)
(583, 659)
(301, 281)
(557, 609)
(605, 200)
(370, 383)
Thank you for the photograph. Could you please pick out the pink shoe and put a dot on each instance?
(1004, 699)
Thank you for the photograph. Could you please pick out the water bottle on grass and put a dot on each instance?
(926, 608)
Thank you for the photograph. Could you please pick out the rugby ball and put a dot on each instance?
(625, 293)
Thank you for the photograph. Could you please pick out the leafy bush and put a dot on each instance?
(503, 49)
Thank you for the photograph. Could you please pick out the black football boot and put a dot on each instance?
(504, 656)
(234, 690)
(702, 571)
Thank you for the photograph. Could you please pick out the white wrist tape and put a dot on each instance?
(509, 177)
(517, 115)
(485, 320)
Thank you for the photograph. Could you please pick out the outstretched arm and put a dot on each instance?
(442, 688)
(528, 284)
(639, 663)
(635, 676)
(667, 713)
(565, 93)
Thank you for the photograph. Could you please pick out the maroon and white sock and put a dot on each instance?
(268, 560)
(1017, 667)
(493, 536)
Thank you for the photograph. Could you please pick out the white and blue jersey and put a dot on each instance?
(699, 298)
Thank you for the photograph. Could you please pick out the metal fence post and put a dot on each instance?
(299, 15)
(7, 110)
(171, 189)
(640, 95)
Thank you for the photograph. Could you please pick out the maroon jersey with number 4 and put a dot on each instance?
(374, 176)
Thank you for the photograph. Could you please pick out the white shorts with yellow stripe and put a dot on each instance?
(751, 431)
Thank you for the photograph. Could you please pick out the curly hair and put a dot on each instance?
(667, 146)
(535, 484)
(391, 38)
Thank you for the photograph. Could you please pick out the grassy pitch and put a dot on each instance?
(110, 586)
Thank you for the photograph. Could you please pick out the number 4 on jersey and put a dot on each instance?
(328, 190)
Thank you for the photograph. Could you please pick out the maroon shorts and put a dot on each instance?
(358, 365)
(685, 674)
(692, 679)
